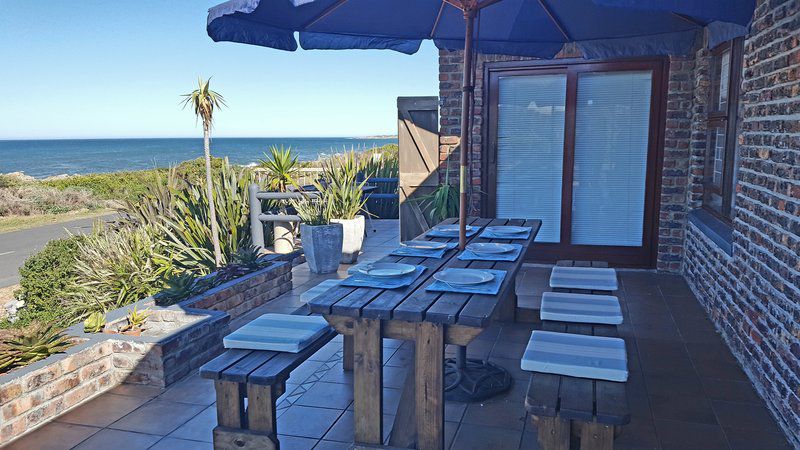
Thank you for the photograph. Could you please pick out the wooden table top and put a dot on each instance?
(414, 304)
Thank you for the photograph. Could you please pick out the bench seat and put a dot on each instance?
(581, 308)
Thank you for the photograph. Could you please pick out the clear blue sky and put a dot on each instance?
(100, 68)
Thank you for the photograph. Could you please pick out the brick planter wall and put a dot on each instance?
(753, 294)
(31, 396)
(178, 339)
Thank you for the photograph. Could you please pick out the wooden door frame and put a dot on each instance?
(644, 256)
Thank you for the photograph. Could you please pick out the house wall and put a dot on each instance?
(674, 179)
(753, 294)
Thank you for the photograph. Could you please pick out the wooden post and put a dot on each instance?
(554, 433)
(429, 379)
(347, 353)
(230, 404)
(368, 381)
(261, 414)
(597, 436)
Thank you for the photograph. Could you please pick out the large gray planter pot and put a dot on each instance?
(353, 230)
(322, 245)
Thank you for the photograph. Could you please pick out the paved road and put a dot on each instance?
(17, 246)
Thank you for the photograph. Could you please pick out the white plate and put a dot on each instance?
(490, 248)
(463, 277)
(447, 228)
(387, 270)
(424, 245)
(507, 230)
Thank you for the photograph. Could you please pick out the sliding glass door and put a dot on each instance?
(576, 145)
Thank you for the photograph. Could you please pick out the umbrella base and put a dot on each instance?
(474, 380)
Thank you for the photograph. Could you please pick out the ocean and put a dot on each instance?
(46, 158)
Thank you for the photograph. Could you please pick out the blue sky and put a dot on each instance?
(99, 68)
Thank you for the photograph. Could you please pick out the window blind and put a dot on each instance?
(611, 135)
(530, 150)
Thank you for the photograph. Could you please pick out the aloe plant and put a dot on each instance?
(30, 344)
(136, 320)
(442, 203)
(95, 322)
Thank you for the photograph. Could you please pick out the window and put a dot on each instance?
(719, 176)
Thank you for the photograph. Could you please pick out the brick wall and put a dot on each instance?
(753, 295)
(672, 216)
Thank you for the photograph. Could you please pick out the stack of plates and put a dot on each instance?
(463, 277)
(507, 230)
(387, 270)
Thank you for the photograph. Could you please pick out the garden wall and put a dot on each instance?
(177, 340)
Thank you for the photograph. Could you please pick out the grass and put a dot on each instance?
(15, 223)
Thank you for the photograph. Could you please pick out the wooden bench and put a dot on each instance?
(260, 377)
(570, 410)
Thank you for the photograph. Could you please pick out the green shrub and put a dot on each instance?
(110, 186)
(117, 267)
(45, 280)
(33, 199)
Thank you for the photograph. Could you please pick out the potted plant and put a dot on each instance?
(345, 194)
(95, 323)
(322, 240)
(282, 168)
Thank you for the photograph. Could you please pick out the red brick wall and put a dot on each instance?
(753, 295)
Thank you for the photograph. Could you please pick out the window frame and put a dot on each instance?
(727, 119)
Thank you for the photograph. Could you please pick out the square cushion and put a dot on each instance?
(589, 278)
(576, 355)
(278, 332)
(580, 308)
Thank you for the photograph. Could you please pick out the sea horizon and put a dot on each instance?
(42, 158)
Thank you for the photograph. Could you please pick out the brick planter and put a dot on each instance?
(177, 340)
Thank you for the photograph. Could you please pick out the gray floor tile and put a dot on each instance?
(199, 427)
(327, 395)
(118, 440)
(677, 435)
(169, 443)
(192, 389)
(305, 421)
(159, 417)
(744, 416)
(332, 445)
(137, 390)
(53, 436)
(296, 443)
(685, 409)
(103, 410)
(741, 439)
(480, 437)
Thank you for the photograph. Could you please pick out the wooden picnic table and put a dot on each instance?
(431, 320)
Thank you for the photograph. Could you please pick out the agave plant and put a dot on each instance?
(136, 320)
(248, 257)
(313, 211)
(179, 288)
(442, 203)
(282, 167)
(32, 343)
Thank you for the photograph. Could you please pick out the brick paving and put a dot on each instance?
(685, 389)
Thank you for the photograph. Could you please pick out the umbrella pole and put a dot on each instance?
(467, 88)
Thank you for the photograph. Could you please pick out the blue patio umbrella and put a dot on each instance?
(535, 28)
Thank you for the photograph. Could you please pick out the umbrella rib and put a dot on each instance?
(555, 20)
(438, 17)
(323, 14)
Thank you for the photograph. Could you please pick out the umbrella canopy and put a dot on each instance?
(537, 28)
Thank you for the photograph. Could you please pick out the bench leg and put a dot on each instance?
(554, 433)
(261, 414)
(597, 436)
(429, 388)
(230, 404)
(368, 381)
(347, 353)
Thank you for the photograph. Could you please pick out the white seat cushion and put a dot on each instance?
(278, 332)
(581, 308)
(590, 278)
(576, 355)
(315, 292)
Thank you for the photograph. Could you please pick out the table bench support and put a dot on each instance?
(429, 396)
(554, 432)
(253, 428)
(347, 352)
(597, 436)
(368, 381)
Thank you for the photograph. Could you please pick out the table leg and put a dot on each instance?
(429, 379)
(368, 381)
(404, 429)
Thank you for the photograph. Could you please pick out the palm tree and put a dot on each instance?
(203, 100)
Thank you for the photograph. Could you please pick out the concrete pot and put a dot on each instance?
(284, 237)
(353, 238)
(322, 245)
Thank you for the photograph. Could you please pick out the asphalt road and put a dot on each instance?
(17, 246)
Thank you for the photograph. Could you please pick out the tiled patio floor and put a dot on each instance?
(685, 389)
